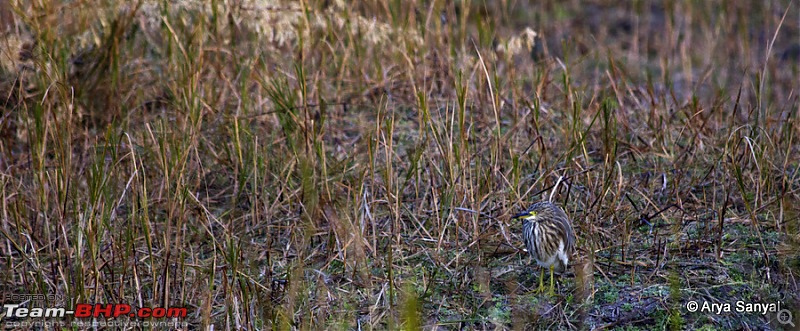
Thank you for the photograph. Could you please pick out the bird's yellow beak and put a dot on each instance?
(526, 215)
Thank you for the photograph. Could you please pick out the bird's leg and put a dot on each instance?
(551, 280)
(541, 283)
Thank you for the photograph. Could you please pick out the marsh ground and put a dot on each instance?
(332, 165)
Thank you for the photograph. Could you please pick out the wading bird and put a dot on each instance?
(548, 236)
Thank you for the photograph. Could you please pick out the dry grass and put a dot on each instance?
(325, 165)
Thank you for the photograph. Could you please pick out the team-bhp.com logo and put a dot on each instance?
(85, 310)
(27, 311)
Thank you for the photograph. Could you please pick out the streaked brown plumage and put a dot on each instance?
(548, 236)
